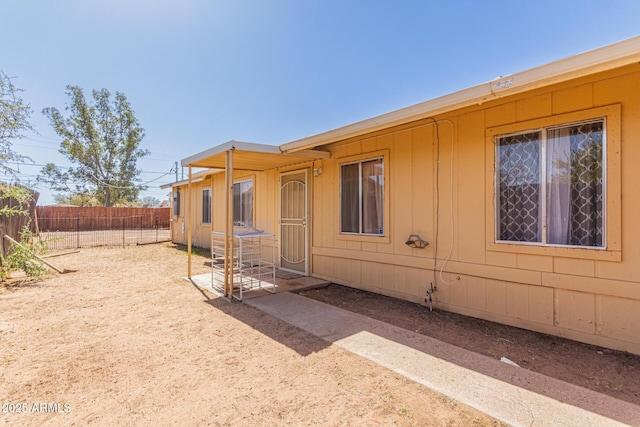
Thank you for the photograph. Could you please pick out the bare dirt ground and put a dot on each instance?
(126, 341)
(615, 373)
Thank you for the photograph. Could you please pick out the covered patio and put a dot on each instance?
(231, 157)
(284, 282)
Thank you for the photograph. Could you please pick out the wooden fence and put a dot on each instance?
(71, 218)
(12, 225)
(64, 227)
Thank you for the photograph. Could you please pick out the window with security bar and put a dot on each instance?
(550, 185)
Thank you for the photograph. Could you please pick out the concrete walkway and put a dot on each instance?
(508, 393)
(285, 282)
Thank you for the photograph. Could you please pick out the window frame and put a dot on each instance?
(359, 162)
(206, 206)
(543, 183)
(253, 198)
(176, 202)
(611, 249)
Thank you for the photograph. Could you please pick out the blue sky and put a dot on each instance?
(201, 72)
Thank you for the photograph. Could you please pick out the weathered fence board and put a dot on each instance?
(71, 218)
(12, 225)
(62, 227)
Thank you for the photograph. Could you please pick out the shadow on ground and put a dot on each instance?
(294, 338)
(611, 372)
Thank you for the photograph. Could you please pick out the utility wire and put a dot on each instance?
(158, 156)
(130, 186)
(69, 167)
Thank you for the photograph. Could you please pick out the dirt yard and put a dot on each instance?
(615, 373)
(125, 341)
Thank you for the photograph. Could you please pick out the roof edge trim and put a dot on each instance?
(195, 177)
(602, 59)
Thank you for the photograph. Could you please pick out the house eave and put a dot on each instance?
(251, 156)
(603, 59)
(196, 177)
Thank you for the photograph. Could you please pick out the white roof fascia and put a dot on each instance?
(602, 59)
(180, 183)
(195, 177)
(231, 145)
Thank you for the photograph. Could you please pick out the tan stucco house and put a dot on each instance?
(515, 201)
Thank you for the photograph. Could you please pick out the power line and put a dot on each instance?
(39, 138)
(59, 142)
(69, 167)
(130, 186)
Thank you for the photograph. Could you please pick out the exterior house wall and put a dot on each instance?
(264, 200)
(439, 184)
(193, 206)
(178, 226)
(265, 206)
(583, 294)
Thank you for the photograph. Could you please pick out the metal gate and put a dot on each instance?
(293, 222)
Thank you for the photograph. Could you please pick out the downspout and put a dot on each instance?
(188, 214)
(433, 286)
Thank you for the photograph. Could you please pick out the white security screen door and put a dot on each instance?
(293, 221)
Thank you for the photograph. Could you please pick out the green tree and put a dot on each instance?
(76, 199)
(15, 199)
(14, 121)
(102, 139)
(150, 202)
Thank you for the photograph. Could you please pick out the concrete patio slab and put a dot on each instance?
(284, 283)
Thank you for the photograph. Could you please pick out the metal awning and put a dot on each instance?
(228, 157)
(196, 177)
(251, 156)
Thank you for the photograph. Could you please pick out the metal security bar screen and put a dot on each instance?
(550, 185)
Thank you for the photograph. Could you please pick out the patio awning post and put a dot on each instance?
(226, 224)
(188, 215)
(228, 236)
